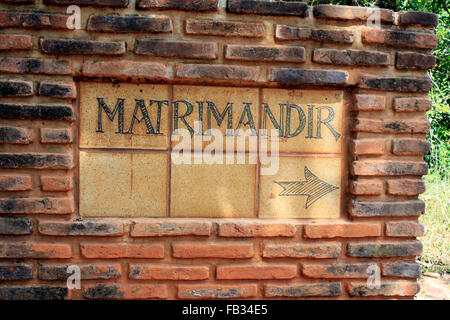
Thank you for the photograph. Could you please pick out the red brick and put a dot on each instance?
(293, 290)
(369, 147)
(15, 135)
(402, 270)
(217, 291)
(389, 168)
(35, 66)
(300, 250)
(277, 8)
(171, 227)
(121, 250)
(256, 229)
(88, 271)
(413, 104)
(35, 250)
(414, 61)
(337, 270)
(255, 272)
(369, 102)
(87, 47)
(33, 20)
(313, 77)
(58, 89)
(225, 28)
(216, 72)
(395, 84)
(284, 32)
(124, 69)
(408, 146)
(15, 42)
(96, 3)
(351, 57)
(37, 205)
(400, 39)
(167, 272)
(342, 230)
(351, 13)
(185, 5)
(56, 135)
(404, 229)
(387, 289)
(36, 161)
(56, 183)
(133, 291)
(15, 88)
(226, 250)
(420, 18)
(264, 53)
(391, 126)
(368, 187)
(15, 183)
(390, 209)
(148, 24)
(405, 187)
(95, 228)
(175, 48)
(384, 250)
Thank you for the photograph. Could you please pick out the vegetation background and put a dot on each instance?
(436, 241)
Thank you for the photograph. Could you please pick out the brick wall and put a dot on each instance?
(241, 43)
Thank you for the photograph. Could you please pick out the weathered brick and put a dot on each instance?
(15, 135)
(425, 19)
(405, 187)
(351, 57)
(87, 271)
(367, 187)
(56, 135)
(162, 228)
(256, 229)
(390, 209)
(225, 28)
(175, 48)
(35, 250)
(36, 161)
(352, 13)
(395, 84)
(149, 24)
(275, 8)
(15, 88)
(412, 104)
(399, 39)
(61, 90)
(34, 112)
(37, 205)
(384, 250)
(95, 3)
(265, 53)
(56, 183)
(369, 102)
(217, 291)
(216, 72)
(414, 61)
(342, 230)
(404, 229)
(186, 5)
(301, 250)
(33, 293)
(35, 66)
(369, 147)
(389, 168)
(254, 272)
(82, 228)
(402, 270)
(16, 272)
(337, 270)
(284, 32)
(226, 250)
(388, 289)
(72, 46)
(15, 42)
(315, 77)
(167, 272)
(317, 289)
(122, 250)
(125, 291)
(15, 182)
(391, 126)
(410, 146)
(33, 20)
(124, 70)
(18, 1)
(15, 226)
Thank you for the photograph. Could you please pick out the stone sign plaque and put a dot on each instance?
(204, 151)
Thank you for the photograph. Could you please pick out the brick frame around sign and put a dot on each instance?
(380, 69)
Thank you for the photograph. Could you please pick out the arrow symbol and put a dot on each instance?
(313, 187)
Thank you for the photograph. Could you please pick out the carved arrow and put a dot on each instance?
(313, 187)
